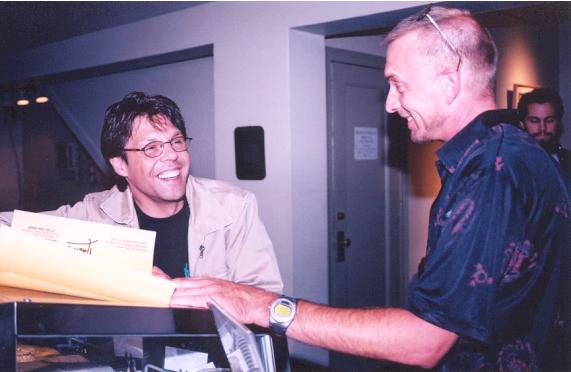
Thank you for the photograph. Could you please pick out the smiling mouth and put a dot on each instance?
(410, 121)
(169, 174)
(405, 115)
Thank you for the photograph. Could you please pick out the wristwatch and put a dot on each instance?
(282, 312)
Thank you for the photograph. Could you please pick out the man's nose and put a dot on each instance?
(168, 151)
(392, 103)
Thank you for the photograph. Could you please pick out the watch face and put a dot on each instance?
(282, 310)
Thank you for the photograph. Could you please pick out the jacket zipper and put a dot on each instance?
(202, 248)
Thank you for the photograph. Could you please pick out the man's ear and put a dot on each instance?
(452, 85)
(119, 165)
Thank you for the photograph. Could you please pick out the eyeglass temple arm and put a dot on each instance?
(429, 17)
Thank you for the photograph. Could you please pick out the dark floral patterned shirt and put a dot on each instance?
(492, 268)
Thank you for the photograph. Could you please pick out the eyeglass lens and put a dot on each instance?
(156, 148)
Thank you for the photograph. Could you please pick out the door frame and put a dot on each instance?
(396, 191)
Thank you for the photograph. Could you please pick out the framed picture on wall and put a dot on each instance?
(519, 90)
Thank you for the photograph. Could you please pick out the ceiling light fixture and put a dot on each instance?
(42, 99)
(22, 98)
(22, 95)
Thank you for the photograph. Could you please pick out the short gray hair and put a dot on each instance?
(471, 41)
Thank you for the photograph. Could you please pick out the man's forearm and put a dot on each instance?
(389, 334)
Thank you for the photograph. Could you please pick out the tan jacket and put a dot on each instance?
(226, 238)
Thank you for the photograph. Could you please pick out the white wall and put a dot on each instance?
(363, 44)
(309, 174)
(190, 84)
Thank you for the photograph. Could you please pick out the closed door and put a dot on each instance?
(365, 191)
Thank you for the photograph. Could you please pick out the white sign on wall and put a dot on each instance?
(366, 143)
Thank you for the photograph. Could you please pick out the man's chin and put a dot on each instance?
(170, 196)
(419, 139)
(549, 146)
(174, 198)
(543, 141)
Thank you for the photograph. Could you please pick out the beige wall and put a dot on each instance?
(527, 56)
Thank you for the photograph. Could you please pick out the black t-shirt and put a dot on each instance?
(171, 243)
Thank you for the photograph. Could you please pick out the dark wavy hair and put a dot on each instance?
(119, 118)
(540, 95)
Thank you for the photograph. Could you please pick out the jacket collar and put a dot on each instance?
(120, 208)
(206, 213)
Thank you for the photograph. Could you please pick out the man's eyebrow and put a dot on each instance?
(396, 79)
(154, 138)
(391, 77)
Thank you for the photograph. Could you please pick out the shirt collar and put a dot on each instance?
(452, 153)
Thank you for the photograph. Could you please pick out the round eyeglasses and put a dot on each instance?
(156, 148)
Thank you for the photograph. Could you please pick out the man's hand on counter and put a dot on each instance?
(249, 305)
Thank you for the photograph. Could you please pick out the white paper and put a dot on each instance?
(366, 143)
(123, 245)
(177, 359)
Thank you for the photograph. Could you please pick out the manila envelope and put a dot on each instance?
(127, 246)
(32, 262)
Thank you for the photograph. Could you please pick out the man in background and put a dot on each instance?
(203, 226)
(541, 113)
(487, 295)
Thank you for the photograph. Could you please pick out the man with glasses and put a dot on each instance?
(203, 226)
(486, 296)
(540, 113)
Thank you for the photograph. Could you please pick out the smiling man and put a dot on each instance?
(203, 226)
(488, 293)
